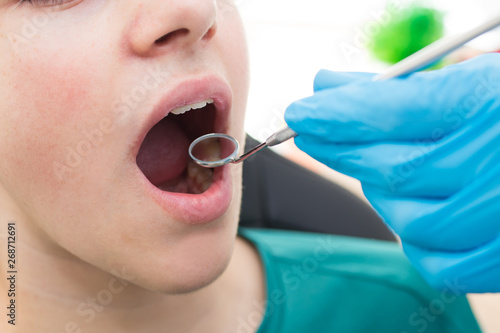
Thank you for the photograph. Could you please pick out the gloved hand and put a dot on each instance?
(426, 149)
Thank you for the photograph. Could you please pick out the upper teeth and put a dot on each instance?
(184, 109)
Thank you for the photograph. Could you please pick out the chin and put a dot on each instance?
(196, 259)
(186, 277)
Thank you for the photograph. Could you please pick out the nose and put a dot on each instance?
(172, 24)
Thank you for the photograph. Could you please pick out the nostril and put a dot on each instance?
(171, 35)
(212, 30)
(210, 33)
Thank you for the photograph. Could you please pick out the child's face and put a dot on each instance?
(81, 85)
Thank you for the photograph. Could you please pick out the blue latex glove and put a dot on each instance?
(426, 149)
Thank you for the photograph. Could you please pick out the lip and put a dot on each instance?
(190, 92)
(213, 203)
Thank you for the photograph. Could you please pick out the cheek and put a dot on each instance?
(45, 102)
(232, 41)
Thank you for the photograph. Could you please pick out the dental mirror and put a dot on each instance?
(202, 149)
(214, 150)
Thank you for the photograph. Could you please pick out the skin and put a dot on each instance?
(92, 227)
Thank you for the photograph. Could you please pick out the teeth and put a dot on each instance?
(199, 178)
(196, 181)
(184, 109)
(209, 150)
(174, 186)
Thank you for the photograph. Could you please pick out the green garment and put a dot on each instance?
(324, 283)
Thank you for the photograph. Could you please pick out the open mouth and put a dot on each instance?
(163, 156)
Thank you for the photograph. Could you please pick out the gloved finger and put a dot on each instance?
(326, 79)
(392, 167)
(460, 222)
(422, 106)
(426, 169)
(474, 271)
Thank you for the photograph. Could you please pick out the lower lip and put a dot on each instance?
(196, 209)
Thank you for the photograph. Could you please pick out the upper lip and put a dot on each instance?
(189, 92)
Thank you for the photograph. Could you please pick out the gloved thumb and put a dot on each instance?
(326, 79)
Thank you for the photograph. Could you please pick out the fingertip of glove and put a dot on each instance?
(326, 79)
(321, 78)
(297, 110)
(294, 114)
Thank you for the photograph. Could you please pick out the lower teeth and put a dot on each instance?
(199, 178)
(196, 180)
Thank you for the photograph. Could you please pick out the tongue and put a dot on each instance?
(164, 153)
